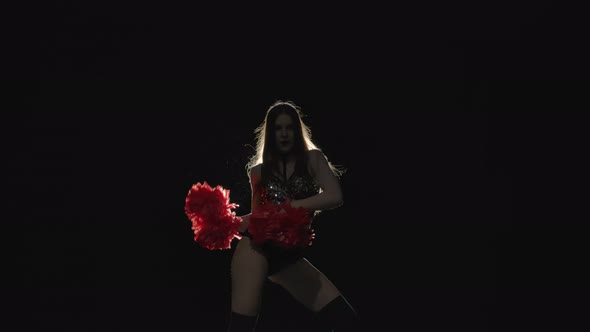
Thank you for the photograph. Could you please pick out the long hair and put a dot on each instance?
(266, 150)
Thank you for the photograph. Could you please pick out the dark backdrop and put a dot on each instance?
(456, 165)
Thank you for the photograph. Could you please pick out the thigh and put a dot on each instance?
(249, 270)
(306, 284)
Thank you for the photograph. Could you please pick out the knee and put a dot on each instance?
(241, 323)
(338, 315)
(245, 308)
(245, 302)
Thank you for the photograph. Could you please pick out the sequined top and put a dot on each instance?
(298, 186)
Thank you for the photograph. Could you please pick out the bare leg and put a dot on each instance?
(306, 284)
(248, 275)
(316, 292)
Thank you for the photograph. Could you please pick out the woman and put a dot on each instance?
(287, 168)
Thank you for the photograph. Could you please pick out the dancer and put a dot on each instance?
(287, 170)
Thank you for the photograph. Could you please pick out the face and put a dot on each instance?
(284, 133)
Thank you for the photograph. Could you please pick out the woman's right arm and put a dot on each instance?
(254, 176)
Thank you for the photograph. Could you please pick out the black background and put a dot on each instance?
(459, 125)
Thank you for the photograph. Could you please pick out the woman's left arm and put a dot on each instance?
(331, 195)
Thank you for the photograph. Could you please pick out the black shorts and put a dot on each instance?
(278, 258)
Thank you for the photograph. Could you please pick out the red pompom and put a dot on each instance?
(213, 221)
(282, 225)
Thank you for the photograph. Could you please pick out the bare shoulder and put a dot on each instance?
(315, 156)
(255, 173)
